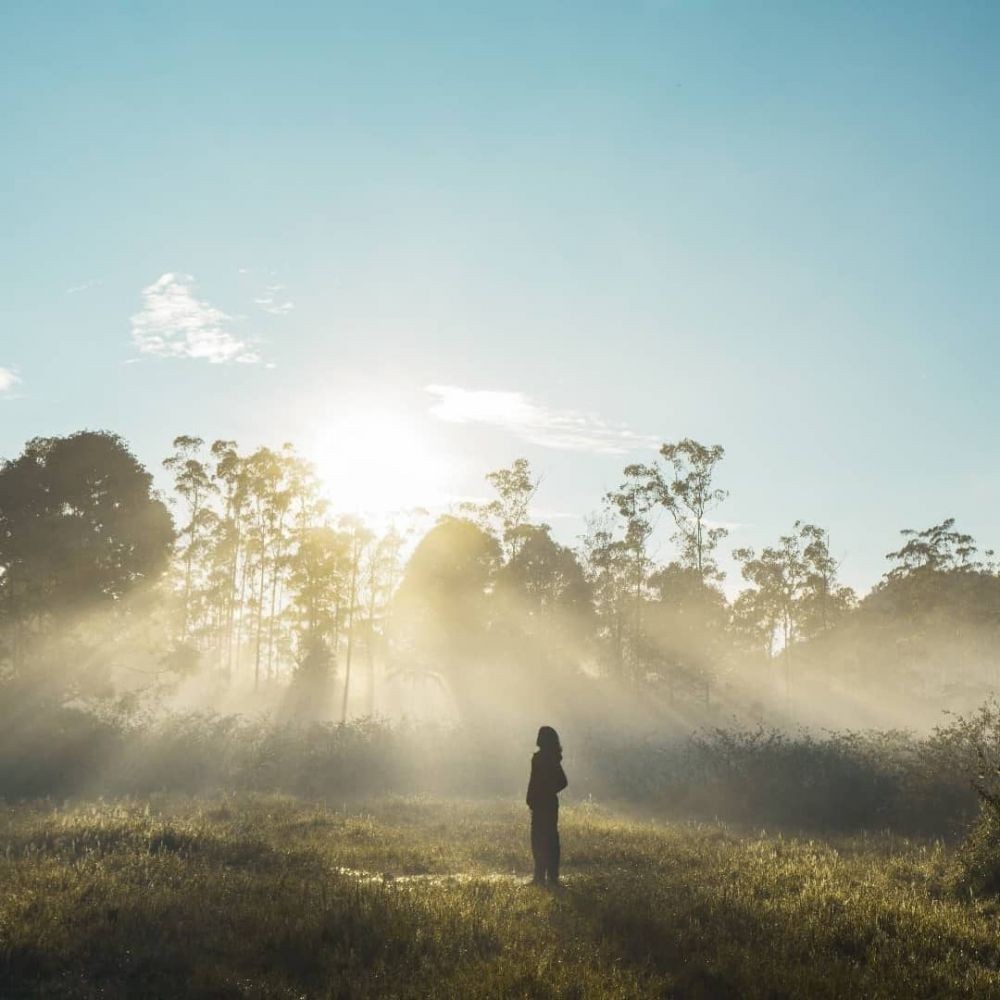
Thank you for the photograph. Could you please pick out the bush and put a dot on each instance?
(831, 781)
(976, 868)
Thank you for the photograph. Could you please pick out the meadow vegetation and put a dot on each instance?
(838, 782)
(257, 748)
(270, 896)
(212, 857)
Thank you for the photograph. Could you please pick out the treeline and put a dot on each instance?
(248, 577)
(264, 576)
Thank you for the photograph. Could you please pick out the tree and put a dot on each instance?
(543, 577)
(610, 571)
(359, 537)
(631, 503)
(268, 504)
(193, 483)
(80, 528)
(938, 549)
(824, 603)
(686, 490)
(380, 575)
(685, 632)
(778, 575)
(441, 609)
(227, 547)
(507, 512)
(318, 587)
(255, 510)
(544, 598)
(278, 487)
(931, 627)
(794, 593)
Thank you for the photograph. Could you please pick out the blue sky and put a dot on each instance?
(586, 226)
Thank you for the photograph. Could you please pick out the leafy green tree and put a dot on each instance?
(227, 549)
(80, 528)
(194, 484)
(380, 575)
(441, 613)
(930, 629)
(686, 489)
(280, 499)
(631, 503)
(318, 594)
(508, 511)
(318, 585)
(543, 577)
(793, 594)
(610, 570)
(248, 515)
(359, 538)
(685, 632)
(269, 503)
(777, 576)
(938, 549)
(824, 602)
(544, 600)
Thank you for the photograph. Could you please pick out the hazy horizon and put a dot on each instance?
(455, 236)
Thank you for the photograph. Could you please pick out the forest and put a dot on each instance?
(230, 683)
(242, 587)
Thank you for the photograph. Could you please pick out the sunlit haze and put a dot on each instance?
(377, 463)
(771, 226)
(500, 499)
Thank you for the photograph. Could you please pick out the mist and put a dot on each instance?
(240, 634)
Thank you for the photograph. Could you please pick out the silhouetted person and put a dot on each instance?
(547, 780)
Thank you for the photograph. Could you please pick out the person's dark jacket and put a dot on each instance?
(547, 780)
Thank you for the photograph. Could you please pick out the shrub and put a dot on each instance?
(842, 781)
(976, 867)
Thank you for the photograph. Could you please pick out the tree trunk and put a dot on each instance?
(241, 606)
(270, 621)
(370, 653)
(230, 603)
(350, 634)
(260, 622)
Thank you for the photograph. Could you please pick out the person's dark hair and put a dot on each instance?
(548, 739)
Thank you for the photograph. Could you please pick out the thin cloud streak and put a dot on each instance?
(175, 324)
(270, 304)
(548, 427)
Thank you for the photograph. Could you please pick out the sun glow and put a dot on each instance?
(377, 464)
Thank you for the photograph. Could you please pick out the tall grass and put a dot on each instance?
(268, 896)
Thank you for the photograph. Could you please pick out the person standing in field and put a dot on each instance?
(547, 780)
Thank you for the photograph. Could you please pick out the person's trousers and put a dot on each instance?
(545, 843)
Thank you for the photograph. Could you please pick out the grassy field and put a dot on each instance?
(278, 897)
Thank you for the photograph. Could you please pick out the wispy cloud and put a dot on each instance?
(8, 379)
(568, 429)
(274, 302)
(83, 287)
(175, 324)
